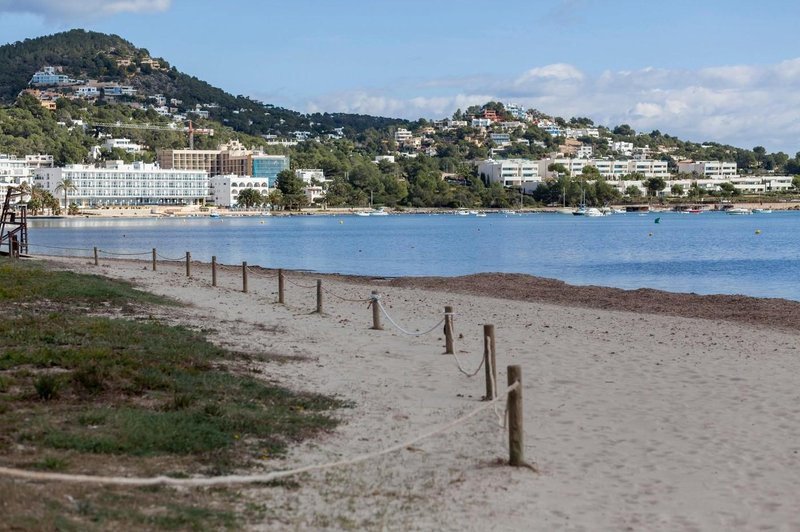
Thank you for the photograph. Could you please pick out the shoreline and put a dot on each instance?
(773, 313)
(194, 211)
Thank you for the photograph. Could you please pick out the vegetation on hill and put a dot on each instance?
(90, 55)
(436, 170)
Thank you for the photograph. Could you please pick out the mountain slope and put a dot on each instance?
(91, 55)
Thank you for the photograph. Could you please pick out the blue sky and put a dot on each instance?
(705, 70)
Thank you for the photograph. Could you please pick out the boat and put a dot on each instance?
(762, 211)
(739, 211)
(380, 211)
(480, 214)
(618, 211)
(362, 213)
(593, 211)
(214, 215)
(462, 212)
(581, 211)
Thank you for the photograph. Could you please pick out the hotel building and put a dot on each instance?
(127, 184)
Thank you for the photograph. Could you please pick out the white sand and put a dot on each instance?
(636, 422)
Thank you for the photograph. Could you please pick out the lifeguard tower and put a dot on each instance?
(14, 222)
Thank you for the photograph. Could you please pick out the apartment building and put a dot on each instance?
(402, 135)
(310, 174)
(51, 75)
(230, 159)
(609, 169)
(124, 144)
(511, 172)
(127, 184)
(223, 190)
(13, 171)
(711, 169)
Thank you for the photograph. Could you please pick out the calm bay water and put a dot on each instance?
(706, 253)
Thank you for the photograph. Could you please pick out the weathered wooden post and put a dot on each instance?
(516, 452)
(376, 311)
(154, 259)
(188, 264)
(244, 277)
(448, 331)
(280, 286)
(214, 270)
(489, 360)
(96, 257)
(319, 296)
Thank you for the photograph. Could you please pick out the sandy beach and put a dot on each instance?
(643, 410)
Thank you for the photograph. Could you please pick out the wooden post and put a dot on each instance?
(319, 296)
(376, 311)
(214, 270)
(154, 259)
(489, 362)
(280, 287)
(516, 453)
(244, 277)
(96, 258)
(448, 331)
(188, 264)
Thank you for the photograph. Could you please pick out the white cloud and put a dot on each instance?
(744, 105)
(72, 9)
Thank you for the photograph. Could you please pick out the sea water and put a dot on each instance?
(704, 253)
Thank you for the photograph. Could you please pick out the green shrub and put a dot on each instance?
(47, 386)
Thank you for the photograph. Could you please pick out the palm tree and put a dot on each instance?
(66, 185)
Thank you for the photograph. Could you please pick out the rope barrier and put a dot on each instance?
(245, 479)
(58, 247)
(376, 300)
(298, 284)
(168, 259)
(123, 254)
(364, 300)
(262, 274)
(469, 374)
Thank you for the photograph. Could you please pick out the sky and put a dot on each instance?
(704, 70)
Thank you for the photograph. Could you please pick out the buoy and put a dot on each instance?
(658, 220)
(341, 221)
(649, 234)
(758, 231)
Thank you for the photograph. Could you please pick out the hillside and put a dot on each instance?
(109, 58)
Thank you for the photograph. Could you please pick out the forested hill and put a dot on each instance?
(109, 58)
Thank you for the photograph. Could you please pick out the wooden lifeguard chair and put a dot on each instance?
(14, 223)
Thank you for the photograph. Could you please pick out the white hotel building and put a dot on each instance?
(224, 189)
(710, 169)
(127, 184)
(609, 169)
(511, 172)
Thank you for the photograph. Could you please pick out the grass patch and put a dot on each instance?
(27, 281)
(139, 388)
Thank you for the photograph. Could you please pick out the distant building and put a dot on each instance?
(584, 151)
(501, 139)
(309, 175)
(517, 111)
(511, 172)
(402, 135)
(127, 184)
(229, 159)
(122, 144)
(268, 166)
(711, 169)
(51, 76)
(481, 122)
(224, 190)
